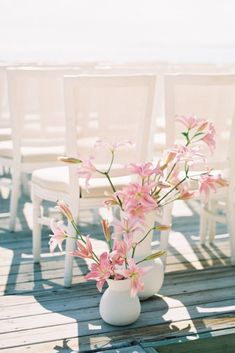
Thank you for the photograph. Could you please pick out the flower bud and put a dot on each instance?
(162, 227)
(64, 209)
(155, 255)
(69, 160)
(106, 231)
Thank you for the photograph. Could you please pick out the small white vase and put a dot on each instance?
(117, 307)
(144, 248)
(153, 278)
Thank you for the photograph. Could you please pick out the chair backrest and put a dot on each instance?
(110, 107)
(4, 105)
(210, 97)
(37, 105)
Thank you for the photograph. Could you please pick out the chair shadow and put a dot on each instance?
(47, 291)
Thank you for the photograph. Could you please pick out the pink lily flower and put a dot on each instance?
(113, 146)
(202, 125)
(122, 247)
(84, 251)
(134, 273)
(58, 235)
(143, 170)
(136, 193)
(190, 154)
(111, 200)
(119, 253)
(100, 272)
(87, 170)
(186, 194)
(209, 138)
(169, 157)
(126, 228)
(207, 183)
(189, 122)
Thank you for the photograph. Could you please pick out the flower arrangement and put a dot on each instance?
(154, 185)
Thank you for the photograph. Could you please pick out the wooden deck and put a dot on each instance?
(195, 305)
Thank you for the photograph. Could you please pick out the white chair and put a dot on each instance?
(220, 208)
(38, 124)
(108, 107)
(5, 125)
(210, 97)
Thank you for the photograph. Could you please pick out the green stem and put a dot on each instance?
(78, 233)
(170, 172)
(150, 230)
(175, 187)
(113, 188)
(133, 251)
(111, 162)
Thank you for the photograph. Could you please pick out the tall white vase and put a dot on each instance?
(154, 277)
(117, 307)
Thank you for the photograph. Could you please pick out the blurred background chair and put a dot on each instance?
(220, 208)
(37, 125)
(210, 97)
(5, 125)
(97, 107)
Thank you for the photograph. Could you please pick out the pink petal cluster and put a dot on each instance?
(135, 273)
(206, 184)
(155, 185)
(101, 271)
(58, 236)
(87, 170)
(137, 199)
(127, 227)
(192, 122)
(84, 251)
(209, 138)
(113, 146)
(190, 154)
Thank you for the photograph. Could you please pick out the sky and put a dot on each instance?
(71, 30)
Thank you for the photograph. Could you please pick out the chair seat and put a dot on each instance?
(5, 134)
(32, 154)
(57, 179)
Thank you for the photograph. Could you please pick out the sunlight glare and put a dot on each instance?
(216, 309)
(28, 214)
(182, 245)
(94, 327)
(181, 209)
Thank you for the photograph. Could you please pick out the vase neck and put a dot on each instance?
(119, 285)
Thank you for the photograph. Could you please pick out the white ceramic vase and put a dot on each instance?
(117, 307)
(154, 277)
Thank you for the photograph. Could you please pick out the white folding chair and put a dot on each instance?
(220, 208)
(108, 107)
(5, 125)
(210, 97)
(38, 124)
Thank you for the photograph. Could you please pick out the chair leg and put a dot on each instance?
(68, 265)
(203, 224)
(212, 221)
(211, 230)
(15, 194)
(231, 227)
(25, 183)
(37, 228)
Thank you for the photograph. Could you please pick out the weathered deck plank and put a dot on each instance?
(39, 315)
